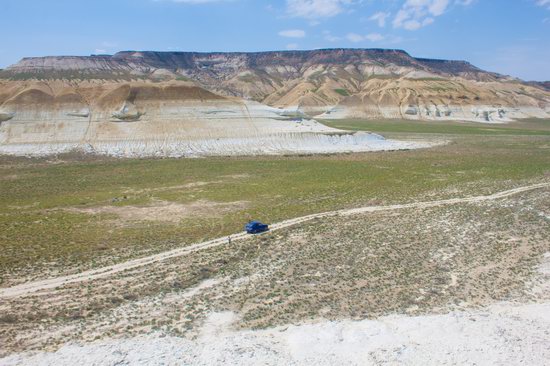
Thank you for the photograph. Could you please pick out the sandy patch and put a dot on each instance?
(172, 188)
(23, 207)
(165, 211)
(190, 185)
(9, 177)
(502, 334)
(237, 176)
(539, 286)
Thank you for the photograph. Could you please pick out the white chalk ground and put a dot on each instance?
(214, 128)
(277, 144)
(501, 334)
(484, 114)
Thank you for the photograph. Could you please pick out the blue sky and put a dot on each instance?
(507, 36)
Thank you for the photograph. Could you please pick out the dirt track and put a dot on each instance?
(52, 283)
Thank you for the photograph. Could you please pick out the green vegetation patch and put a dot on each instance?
(524, 127)
(342, 92)
(70, 75)
(45, 205)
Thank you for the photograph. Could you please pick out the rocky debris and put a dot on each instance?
(411, 110)
(85, 113)
(128, 113)
(490, 114)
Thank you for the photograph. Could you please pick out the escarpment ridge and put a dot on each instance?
(188, 103)
(329, 83)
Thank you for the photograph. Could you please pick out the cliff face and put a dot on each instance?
(337, 83)
(266, 66)
(163, 98)
(200, 62)
(173, 118)
(545, 85)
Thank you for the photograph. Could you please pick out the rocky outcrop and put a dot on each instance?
(128, 113)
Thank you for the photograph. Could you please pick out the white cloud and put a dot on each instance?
(293, 33)
(437, 7)
(380, 18)
(104, 47)
(329, 37)
(354, 37)
(427, 21)
(372, 37)
(375, 37)
(395, 39)
(415, 14)
(545, 3)
(315, 9)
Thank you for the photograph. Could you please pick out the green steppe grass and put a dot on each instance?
(37, 234)
(524, 127)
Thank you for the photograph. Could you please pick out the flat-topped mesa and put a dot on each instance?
(63, 67)
(449, 66)
(61, 63)
(462, 69)
(146, 62)
(326, 56)
(324, 84)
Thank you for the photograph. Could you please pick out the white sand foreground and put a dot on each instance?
(502, 334)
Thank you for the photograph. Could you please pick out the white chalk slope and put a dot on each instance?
(502, 334)
(183, 129)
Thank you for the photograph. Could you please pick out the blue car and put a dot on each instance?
(256, 227)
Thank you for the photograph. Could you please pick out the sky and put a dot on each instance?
(506, 36)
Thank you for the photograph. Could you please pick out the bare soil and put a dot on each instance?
(163, 211)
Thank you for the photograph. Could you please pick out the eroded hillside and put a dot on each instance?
(338, 83)
(205, 104)
(169, 118)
